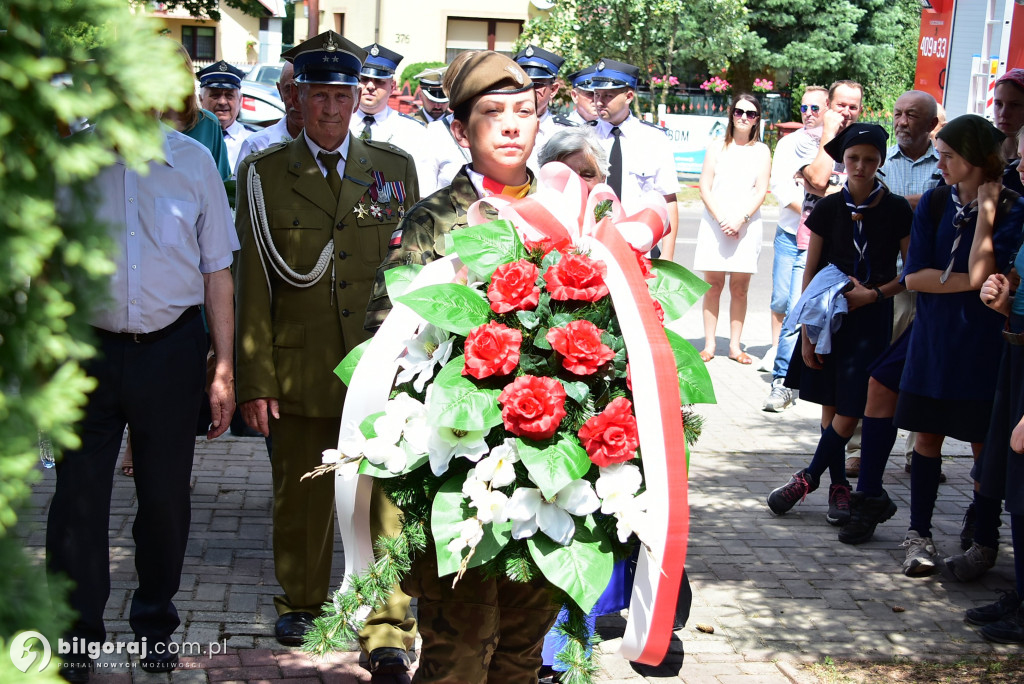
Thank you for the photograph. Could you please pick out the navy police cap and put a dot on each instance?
(328, 59)
(539, 63)
(221, 75)
(581, 79)
(611, 74)
(380, 62)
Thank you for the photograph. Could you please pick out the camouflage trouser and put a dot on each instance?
(482, 630)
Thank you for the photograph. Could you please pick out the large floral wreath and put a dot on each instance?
(535, 422)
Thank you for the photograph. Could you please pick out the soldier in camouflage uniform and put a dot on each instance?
(484, 629)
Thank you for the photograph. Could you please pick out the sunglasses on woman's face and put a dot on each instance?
(744, 113)
(813, 108)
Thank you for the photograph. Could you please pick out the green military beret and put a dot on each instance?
(479, 72)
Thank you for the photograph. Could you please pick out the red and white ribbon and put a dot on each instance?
(563, 211)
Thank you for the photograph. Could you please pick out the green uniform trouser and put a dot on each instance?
(482, 630)
(304, 528)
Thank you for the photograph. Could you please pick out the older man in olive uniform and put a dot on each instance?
(315, 216)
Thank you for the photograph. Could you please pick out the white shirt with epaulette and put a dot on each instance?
(443, 156)
(404, 132)
(648, 163)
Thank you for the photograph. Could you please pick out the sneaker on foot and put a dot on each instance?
(838, 505)
(791, 493)
(1009, 630)
(967, 528)
(866, 512)
(1007, 605)
(920, 551)
(853, 466)
(972, 563)
(767, 361)
(779, 398)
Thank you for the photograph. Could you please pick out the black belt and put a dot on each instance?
(145, 338)
(1016, 339)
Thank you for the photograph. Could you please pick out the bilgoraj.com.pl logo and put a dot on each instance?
(31, 651)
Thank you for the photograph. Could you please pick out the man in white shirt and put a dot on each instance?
(290, 125)
(542, 67)
(582, 97)
(640, 156)
(220, 92)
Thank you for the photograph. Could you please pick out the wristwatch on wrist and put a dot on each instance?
(879, 294)
(746, 217)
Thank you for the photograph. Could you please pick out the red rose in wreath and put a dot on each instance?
(532, 407)
(492, 349)
(580, 346)
(577, 276)
(514, 287)
(611, 436)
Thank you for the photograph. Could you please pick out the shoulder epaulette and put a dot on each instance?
(387, 147)
(267, 151)
(411, 118)
(251, 129)
(653, 125)
(561, 120)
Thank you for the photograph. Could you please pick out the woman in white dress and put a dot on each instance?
(733, 183)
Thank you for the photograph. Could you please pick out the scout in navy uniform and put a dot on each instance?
(641, 158)
(542, 67)
(435, 100)
(582, 94)
(315, 216)
(220, 92)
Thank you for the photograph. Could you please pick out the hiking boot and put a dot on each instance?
(866, 512)
(791, 493)
(920, 551)
(973, 563)
(853, 466)
(1007, 605)
(838, 505)
(779, 398)
(967, 528)
(1009, 630)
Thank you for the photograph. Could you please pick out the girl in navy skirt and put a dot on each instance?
(859, 230)
(953, 352)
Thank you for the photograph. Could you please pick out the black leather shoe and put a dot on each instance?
(76, 670)
(387, 660)
(161, 656)
(292, 627)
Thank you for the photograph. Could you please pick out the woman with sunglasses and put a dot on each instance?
(733, 184)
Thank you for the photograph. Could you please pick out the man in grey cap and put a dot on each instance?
(220, 92)
(435, 100)
(315, 216)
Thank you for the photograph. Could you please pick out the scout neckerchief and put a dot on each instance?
(964, 215)
(860, 239)
(493, 187)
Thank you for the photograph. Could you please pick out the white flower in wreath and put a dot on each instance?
(330, 456)
(446, 443)
(528, 511)
(431, 347)
(490, 504)
(617, 486)
(403, 417)
(498, 467)
(350, 444)
(471, 531)
(632, 518)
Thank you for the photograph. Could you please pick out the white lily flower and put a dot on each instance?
(473, 487)
(498, 467)
(617, 485)
(381, 451)
(632, 518)
(529, 511)
(446, 443)
(351, 442)
(330, 456)
(432, 346)
(490, 506)
(471, 531)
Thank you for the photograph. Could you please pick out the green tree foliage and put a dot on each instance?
(115, 73)
(211, 8)
(413, 69)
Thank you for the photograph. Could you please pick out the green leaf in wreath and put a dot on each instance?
(529, 319)
(534, 364)
(449, 509)
(675, 287)
(577, 391)
(399, 278)
(450, 306)
(553, 463)
(381, 471)
(458, 403)
(485, 247)
(366, 427)
(540, 340)
(550, 259)
(694, 381)
(347, 367)
(582, 569)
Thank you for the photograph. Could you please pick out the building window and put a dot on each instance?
(200, 42)
(481, 34)
(339, 23)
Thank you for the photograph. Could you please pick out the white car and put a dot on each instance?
(261, 104)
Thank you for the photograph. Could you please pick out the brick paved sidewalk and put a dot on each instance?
(779, 592)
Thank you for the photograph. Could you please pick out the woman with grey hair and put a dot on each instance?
(580, 149)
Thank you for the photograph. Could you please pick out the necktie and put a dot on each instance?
(591, 123)
(964, 215)
(368, 121)
(330, 161)
(224, 133)
(860, 239)
(615, 161)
